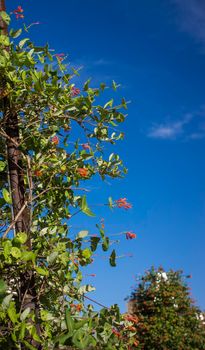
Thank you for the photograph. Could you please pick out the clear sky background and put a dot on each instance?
(156, 51)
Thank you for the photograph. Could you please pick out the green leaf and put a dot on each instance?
(22, 330)
(3, 287)
(15, 252)
(105, 244)
(102, 86)
(80, 339)
(113, 258)
(33, 333)
(4, 40)
(25, 313)
(21, 237)
(52, 257)
(6, 18)
(80, 324)
(109, 103)
(41, 271)
(27, 256)
(110, 202)
(62, 338)
(7, 248)
(6, 196)
(86, 85)
(15, 33)
(6, 301)
(12, 312)
(29, 346)
(69, 321)
(94, 243)
(86, 253)
(22, 42)
(102, 232)
(82, 234)
(86, 288)
(114, 85)
(84, 207)
(2, 165)
(124, 104)
(88, 212)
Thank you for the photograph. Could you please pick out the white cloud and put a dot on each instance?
(169, 130)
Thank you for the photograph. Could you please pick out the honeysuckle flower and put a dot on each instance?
(115, 332)
(77, 307)
(131, 318)
(60, 56)
(130, 235)
(18, 12)
(86, 146)
(55, 140)
(74, 91)
(83, 172)
(122, 203)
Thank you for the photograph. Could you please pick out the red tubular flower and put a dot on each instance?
(55, 140)
(18, 12)
(74, 91)
(77, 307)
(122, 203)
(60, 56)
(132, 318)
(130, 235)
(115, 332)
(86, 146)
(83, 172)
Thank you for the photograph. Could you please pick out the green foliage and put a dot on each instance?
(167, 317)
(44, 263)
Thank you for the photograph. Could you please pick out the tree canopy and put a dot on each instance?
(167, 316)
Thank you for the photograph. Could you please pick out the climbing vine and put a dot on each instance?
(43, 175)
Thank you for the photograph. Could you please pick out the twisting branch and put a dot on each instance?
(14, 220)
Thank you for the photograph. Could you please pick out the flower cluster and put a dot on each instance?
(115, 332)
(18, 12)
(122, 203)
(83, 172)
(55, 140)
(76, 307)
(74, 91)
(60, 56)
(131, 318)
(130, 235)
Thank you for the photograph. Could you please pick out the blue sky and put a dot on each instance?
(156, 51)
